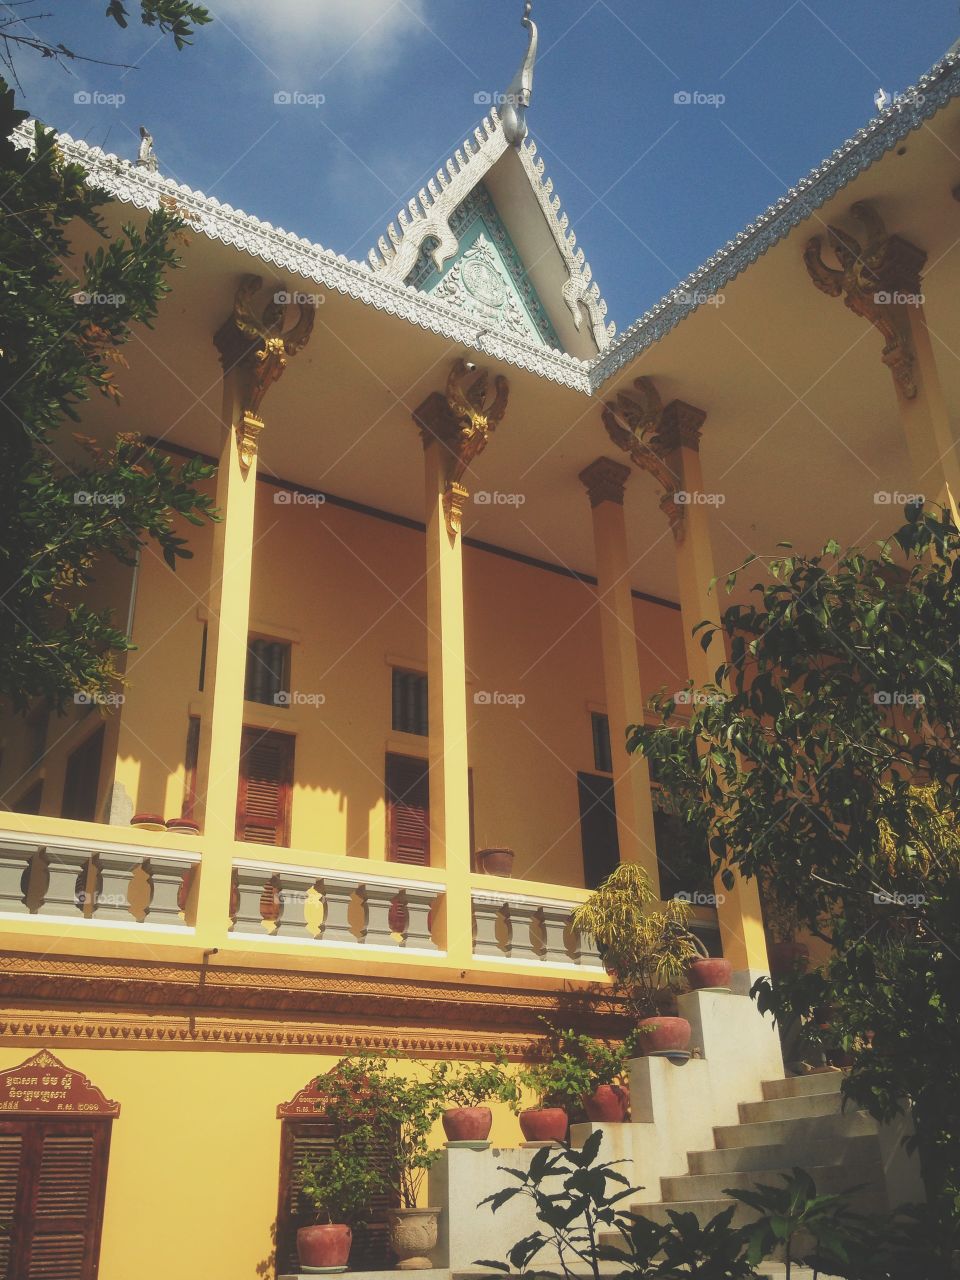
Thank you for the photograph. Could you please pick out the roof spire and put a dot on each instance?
(513, 111)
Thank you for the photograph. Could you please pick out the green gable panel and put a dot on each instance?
(486, 277)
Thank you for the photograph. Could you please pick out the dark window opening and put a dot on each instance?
(82, 781)
(602, 755)
(191, 755)
(598, 828)
(268, 673)
(409, 702)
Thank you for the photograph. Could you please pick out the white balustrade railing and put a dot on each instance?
(529, 930)
(94, 881)
(340, 908)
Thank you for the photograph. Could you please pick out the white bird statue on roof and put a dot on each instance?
(882, 99)
(513, 109)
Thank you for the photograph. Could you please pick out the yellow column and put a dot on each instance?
(738, 909)
(228, 605)
(933, 444)
(604, 481)
(446, 680)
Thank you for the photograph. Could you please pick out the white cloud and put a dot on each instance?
(291, 34)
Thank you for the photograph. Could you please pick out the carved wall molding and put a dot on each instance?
(878, 278)
(460, 421)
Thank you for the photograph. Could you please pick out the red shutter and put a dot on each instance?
(408, 810)
(266, 782)
(52, 1185)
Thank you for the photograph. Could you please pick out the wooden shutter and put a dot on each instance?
(191, 756)
(53, 1175)
(305, 1138)
(82, 780)
(598, 828)
(266, 782)
(408, 810)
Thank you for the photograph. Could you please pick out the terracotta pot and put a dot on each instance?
(544, 1124)
(325, 1246)
(787, 958)
(712, 971)
(608, 1104)
(148, 821)
(496, 862)
(183, 826)
(664, 1035)
(467, 1124)
(413, 1233)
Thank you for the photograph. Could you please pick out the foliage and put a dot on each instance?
(395, 1112)
(176, 18)
(829, 762)
(571, 1065)
(646, 951)
(465, 1086)
(64, 512)
(577, 1199)
(341, 1181)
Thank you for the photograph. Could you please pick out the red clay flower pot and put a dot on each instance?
(324, 1246)
(467, 1124)
(787, 958)
(664, 1035)
(148, 821)
(608, 1104)
(712, 971)
(496, 862)
(183, 826)
(544, 1124)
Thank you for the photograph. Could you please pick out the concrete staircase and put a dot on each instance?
(798, 1123)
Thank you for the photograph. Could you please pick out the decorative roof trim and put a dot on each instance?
(907, 112)
(291, 253)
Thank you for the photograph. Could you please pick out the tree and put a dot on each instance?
(176, 18)
(828, 763)
(62, 327)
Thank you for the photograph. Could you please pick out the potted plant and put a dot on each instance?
(339, 1183)
(398, 1112)
(555, 1082)
(786, 955)
(496, 861)
(465, 1089)
(600, 1069)
(706, 972)
(645, 951)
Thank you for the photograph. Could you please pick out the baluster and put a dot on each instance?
(419, 904)
(63, 866)
(111, 892)
(293, 902)
(377, 900)
(486, 913)
(336, 910)
(584, 952)
(554, 930)
(16, 862)
(249, 890)
(166, 886)
(522, 916)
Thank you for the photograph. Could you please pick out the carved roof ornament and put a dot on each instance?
(146, 156)
(258, 349)
(513, 112)
(878, 278)
(461, 421)
(638, 422)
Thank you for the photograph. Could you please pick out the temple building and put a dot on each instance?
(467, 530)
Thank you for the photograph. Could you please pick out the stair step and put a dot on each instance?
(703, 1209)
(808, 1104)
(797, 1086)
(838, 1126)
(712, 1186)
(805, 1152)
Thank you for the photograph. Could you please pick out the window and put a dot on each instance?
(31, 799)
(410, 712)
(268, 672)
(202, 674)
(265, 787)
(408, 810)
(598, 828)
(53, 1178)
(82, 780)
(191, 755)
(602, 757)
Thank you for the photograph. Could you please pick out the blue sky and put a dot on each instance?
(652, 187)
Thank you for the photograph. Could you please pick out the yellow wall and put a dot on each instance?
(349, 591)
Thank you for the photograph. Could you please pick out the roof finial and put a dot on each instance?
(513, 111)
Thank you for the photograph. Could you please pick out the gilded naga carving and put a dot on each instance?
(461, 420)
(258, 348)
(878, 278)
(641, 425)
